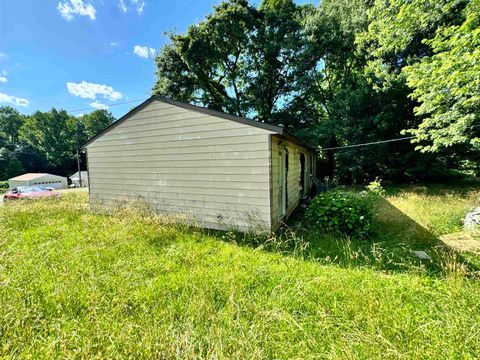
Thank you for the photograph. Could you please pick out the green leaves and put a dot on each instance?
(343, 73)
(96, 121)
(447, 85)
(240, 60)
(343, 212)
(10, 122)
(45, 141)
(52, 134)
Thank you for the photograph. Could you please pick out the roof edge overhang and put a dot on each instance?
(41, 175)
(265, 126)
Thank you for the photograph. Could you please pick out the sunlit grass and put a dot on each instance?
(131, 285)
(440, 211)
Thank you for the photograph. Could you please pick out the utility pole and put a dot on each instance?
(78, 166)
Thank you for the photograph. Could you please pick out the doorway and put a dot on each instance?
(282, 179)
(302, 173)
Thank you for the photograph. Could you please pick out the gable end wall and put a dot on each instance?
(178, 161)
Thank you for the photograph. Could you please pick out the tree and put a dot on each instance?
(15, 156)
(335, 75)
(14, 168)
(397, 31)
(10, 122)
(54, 135)
(10, 166)
(277, 50)
(447, 85)
(239, 60)
(31, 159)
(209, 60)
(363, 87)
(96, 121)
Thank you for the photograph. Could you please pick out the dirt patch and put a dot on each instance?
(463, 241)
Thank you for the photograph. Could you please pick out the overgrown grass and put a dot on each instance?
(78, 284)
(409, 218)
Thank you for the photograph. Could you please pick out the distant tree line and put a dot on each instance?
(342, 73)
(45, 141)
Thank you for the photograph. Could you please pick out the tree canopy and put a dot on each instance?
(240, 59)
(343, 73)
(447, 86)
(45, 141)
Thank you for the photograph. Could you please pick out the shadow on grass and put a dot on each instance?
(390, 249)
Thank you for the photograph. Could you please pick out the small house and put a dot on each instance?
(29, 179)
(223, 171)
(79, 179)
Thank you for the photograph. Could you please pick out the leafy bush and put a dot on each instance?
(375, 188)
(341, 211)
(3, 185)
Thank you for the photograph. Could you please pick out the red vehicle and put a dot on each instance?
(29, 192)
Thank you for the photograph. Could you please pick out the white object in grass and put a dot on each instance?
(472, 219)
(422, 255)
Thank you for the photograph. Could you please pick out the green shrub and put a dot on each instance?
(376, 188)
(341, 211)
(4, 185)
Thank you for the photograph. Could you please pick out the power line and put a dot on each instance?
(375, 142)
(115, 104)
(366, 144)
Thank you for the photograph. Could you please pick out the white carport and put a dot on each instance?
(29, 179)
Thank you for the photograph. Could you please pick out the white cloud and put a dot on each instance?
(122, 6)
(3, 79)
(139, 5)
(144, 51)
(70, 8)
(4, 98)
(113, 43)
(88, 90)
(98, 105)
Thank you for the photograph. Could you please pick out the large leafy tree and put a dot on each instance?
(377, 106)
(53, 134)
(14, 155)
(275, 63)
(350, 108)
(45, 141)
(207, 64)
(96, 121)
(397, 31)
(10, 122)
(240, 59)
(334, 75)
(447, 85)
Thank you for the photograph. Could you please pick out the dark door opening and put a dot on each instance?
(286, 180)
(302, 173)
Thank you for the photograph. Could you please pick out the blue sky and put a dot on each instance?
(80, 54)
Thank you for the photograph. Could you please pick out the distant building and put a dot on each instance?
(222, 170)
(75, 178)
(29, 179)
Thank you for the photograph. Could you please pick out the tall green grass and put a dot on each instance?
(74, 284)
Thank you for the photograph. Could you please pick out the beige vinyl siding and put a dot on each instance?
(179, 161)
(293, 177)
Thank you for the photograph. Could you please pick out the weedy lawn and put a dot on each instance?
(78, 284)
